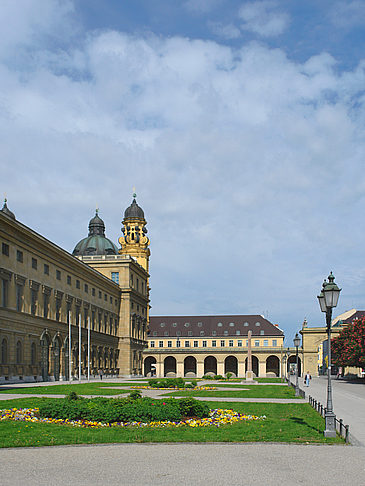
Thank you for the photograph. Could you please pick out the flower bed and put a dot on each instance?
(217, 418)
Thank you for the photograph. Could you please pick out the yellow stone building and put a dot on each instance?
(193, 346)
(314, 343)
(99, 290)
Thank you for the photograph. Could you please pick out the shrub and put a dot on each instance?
(167, 383)
(208, 377)
(135, 394)
(72, 396)
(190, 407)
(122, 409)
(228, 375)
(218, 377)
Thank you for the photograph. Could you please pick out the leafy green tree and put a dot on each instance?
(348, 349)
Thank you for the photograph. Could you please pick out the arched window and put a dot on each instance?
(4, 351)
(18, 352)
(33, 354)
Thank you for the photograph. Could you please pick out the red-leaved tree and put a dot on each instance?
(348, 349)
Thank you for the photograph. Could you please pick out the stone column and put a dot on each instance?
(262, 368)
(199, 369)
(220, 365)
(180, 369)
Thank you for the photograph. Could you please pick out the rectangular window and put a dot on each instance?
(246, 343)
(160, 344)
(274, 342)
(230, 342)
(68, 279)
(19, 298)
(4, 293)
(214, 344)
(190, 333)
(58, 275)
(58, 309)
(105, 297)
(214, 333)
(115, 277)
(178, 342)
(77, 284)
(239, 343)
(204, 344)
(33, 307)
(196, 344)
(152, 344)
(137, 284)
(5, 249)
(111, 300)
(93, 292)
(100, 296)
(86, 288)
(169, 344)
(222, 344)
(19, 256)
(45, 268)
(34, 263)
(266, 342)
(45, 305)
(257, 343)
(187, 344)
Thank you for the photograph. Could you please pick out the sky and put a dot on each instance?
(239, 123)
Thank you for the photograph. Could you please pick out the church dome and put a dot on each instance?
(96, 243)
(134, 211)
(7, 211)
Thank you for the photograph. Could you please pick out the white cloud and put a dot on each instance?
(245, 162)
(263, 18)
(347, 14)
(226, 31)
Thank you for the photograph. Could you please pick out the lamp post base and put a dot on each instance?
(330, 421)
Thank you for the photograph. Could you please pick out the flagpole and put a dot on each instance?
(88, 348)
(69, 346)
(80, 347)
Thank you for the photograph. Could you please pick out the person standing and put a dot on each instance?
(307, 379)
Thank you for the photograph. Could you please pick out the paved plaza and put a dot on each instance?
(184, 464)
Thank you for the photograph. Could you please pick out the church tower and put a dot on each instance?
(135, 242)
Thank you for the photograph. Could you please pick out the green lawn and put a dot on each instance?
(252, 391)
(98, 388)
(284, 423)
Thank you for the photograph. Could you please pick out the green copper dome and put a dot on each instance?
(96, 242)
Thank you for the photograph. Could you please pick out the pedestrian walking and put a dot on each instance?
(101, 373)
(307, 379)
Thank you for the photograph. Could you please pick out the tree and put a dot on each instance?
(348, 349)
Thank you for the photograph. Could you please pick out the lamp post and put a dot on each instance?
(296, 344)
(328, 299)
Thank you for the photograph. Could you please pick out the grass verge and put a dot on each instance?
(250, 391)
(80, 388)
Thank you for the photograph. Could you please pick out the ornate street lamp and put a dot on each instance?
(328, 299)
(296, 344)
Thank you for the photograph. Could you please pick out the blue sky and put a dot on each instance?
(241, 125)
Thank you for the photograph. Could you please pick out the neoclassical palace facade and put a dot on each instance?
(194, 346)
(97, 297)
